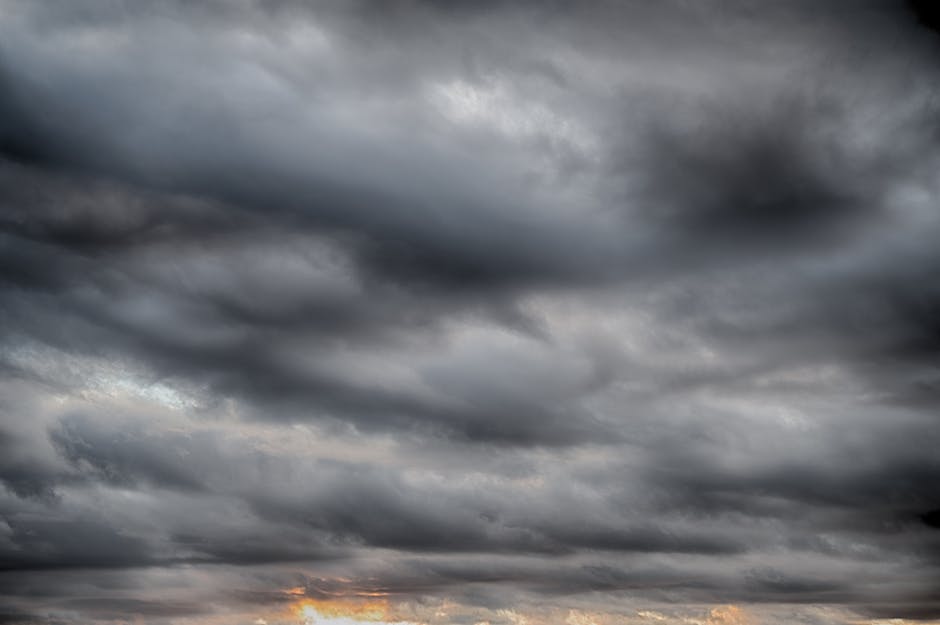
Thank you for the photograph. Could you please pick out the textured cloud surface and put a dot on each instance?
(469, 312)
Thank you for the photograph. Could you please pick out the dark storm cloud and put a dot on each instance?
(356, 503)
(741, 180)
(37, 539)
(113, 609)
(75, 252)
(443, 230)
(22, 476)
(508, 303)
(926, 13)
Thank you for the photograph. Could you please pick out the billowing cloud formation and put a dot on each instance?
(480, 312)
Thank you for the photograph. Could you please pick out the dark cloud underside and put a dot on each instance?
(584, 313)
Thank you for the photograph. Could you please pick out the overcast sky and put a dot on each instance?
(469, 312)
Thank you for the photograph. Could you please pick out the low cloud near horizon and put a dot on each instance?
(469, 312)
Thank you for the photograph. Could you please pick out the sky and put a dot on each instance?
(426, 312)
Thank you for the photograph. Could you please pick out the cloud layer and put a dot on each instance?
(496, 312)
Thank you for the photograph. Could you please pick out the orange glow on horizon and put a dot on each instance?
(370, 611)
(728, 615)
(362, 607)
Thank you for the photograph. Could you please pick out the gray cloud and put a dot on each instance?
(523, 308)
